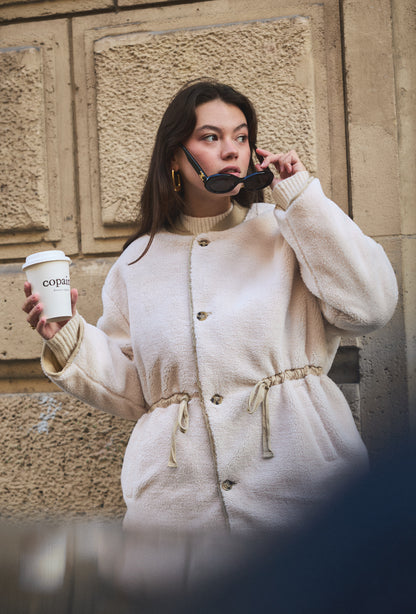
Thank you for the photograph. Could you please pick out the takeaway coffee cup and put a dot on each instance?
(48, 274)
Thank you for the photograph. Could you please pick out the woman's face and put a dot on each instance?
(220, 144)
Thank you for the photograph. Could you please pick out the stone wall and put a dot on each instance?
(83, 84)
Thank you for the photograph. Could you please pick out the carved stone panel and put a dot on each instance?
(126, 124)
(37, 186)
(23, 194)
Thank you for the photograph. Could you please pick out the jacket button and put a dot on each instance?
(201, 315)
(217, 399)
(227, 485)
(203, 242)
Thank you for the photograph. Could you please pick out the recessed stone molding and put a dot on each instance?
(25, 9)
(139, 2)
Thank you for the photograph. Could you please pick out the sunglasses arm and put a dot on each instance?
(195, 164)
(258, 156)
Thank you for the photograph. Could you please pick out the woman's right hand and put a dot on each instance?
(34, 309)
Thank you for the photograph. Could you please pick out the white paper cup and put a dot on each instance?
(48, 274)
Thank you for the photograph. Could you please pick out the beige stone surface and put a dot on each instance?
(25, 9)
(404, 32)
(122, 3)
(37, 196)
(372, 125)
(285, 72)
(23, 194)
(59, 458)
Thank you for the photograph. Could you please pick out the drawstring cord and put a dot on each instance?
(182, 419)
(182, 423)
(260, 396)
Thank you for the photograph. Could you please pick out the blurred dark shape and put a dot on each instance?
(359, 557)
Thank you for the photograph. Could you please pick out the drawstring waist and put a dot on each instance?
(258, 397)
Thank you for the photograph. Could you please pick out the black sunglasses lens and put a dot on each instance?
(221, 183)
(259, 181)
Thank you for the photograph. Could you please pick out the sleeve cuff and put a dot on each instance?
(65, 341)
(289, 189)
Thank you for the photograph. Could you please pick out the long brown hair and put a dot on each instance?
(160, 205)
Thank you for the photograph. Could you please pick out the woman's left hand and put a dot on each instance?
(287, 164)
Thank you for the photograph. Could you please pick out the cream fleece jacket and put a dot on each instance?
(218, 345)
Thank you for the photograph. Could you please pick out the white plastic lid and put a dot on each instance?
(48, 256)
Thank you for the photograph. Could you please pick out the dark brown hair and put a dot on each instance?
(160, 205)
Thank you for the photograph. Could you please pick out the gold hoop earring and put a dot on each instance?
(176, 180)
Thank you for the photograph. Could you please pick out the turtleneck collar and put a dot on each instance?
(196, 225)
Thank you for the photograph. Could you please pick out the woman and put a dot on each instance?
(221, 320)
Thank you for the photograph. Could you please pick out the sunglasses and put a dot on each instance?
(221, 183)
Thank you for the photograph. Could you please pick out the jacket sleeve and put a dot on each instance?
(347, 271)
(100, 369)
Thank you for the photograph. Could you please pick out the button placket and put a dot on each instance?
(200, 269)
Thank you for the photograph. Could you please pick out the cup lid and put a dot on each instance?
(48, 256)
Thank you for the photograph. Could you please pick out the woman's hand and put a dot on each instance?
(287, 164)
(34, 309)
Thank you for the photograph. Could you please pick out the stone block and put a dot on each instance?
(129, 65)
(37, 186)
(59, 458)
(371, 116)
(404, 28)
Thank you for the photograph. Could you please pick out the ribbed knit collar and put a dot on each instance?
(196, 225)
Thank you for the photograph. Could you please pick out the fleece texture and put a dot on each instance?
(218, 345)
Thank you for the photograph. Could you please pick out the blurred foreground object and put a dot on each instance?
(358, 556)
